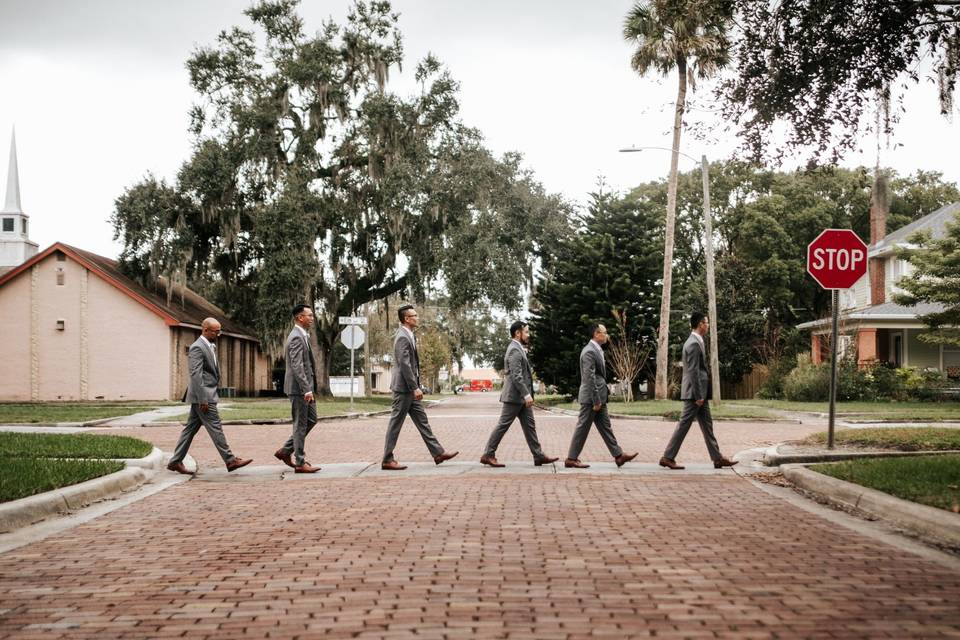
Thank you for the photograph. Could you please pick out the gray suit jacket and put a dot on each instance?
(593, 377)
(696, 377)
(300, 377)
(204, 375)
(406, 364)
(517, 376)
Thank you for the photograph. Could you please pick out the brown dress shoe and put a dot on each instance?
(724, 462)
(670, 464)
(285, 458)
(443, 457)
(544, 460)
(491, 461)
(393, 465)
(624, 458)
(236, 463)
(571, 463)
(306, 467)
(179, 468)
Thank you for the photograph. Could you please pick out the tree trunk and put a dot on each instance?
(323, 348)
(663, 334)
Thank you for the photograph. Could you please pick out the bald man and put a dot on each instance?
(202, 395)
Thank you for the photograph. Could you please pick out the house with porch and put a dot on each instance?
(872, 325)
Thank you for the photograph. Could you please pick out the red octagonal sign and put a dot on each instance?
(837, 258)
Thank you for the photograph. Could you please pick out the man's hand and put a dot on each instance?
(597, 407)
(418, 394)
(308, 397)
(204, 407)
(699, 403)
(528, 401)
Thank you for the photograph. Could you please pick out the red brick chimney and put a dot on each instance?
(879, 208)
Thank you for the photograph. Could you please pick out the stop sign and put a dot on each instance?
(837, 258)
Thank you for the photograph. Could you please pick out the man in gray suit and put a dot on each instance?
(299, 383)
(202, 395)
(695, 392)
(593, 402)
(517, 399)
(407, 394)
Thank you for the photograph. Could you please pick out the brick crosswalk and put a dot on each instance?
(510, 556)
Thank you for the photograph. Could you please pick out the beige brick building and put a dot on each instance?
(73, 327)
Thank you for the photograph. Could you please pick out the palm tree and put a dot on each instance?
(691, 37)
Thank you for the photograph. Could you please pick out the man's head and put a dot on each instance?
(303, 316)
(598, 333)
(520, 332)
(699, 323)
(408, 316)
(210, 329)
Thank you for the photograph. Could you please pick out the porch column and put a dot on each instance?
(816, 348)
(866, 347)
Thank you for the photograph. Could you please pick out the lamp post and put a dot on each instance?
(711, 283)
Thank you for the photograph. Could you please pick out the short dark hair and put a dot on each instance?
(297, 310)
(402, 312)
(593, 329)
(695, 319)
(518, 325)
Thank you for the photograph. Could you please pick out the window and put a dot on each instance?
(61, 257)
(23, 226)
(8, 224)
(60, 276)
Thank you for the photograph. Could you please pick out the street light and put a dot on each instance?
(711, 283)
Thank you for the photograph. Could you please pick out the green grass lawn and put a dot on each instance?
(32, 412)
(906, 411)
(670, 409)
(933, 481)
(897, 438)
(70, 445)
(32, 463)
(22, 477)
(280, 408)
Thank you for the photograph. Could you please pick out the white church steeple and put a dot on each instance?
(15, 244)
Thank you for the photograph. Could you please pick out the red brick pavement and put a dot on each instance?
(464, 424)
(498, 557)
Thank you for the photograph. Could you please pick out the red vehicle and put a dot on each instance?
(478, 385)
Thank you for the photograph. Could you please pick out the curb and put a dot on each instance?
(26, 511)
(928, 522)
(773, 458)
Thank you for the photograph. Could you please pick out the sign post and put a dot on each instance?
(837, 259)
(352, 338)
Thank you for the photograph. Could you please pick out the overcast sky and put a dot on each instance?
(99, 94)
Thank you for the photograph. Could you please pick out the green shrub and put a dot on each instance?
(807, 382)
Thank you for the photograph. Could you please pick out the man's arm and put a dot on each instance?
(195, 358)
(598, 380)
(404, 356)
(691, 363)
(297, 352)
(515, 369)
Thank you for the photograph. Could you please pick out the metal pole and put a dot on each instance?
(711, 283)
(833, 366)
(353, 350)
(367, 374)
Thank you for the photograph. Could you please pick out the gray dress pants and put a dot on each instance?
(403, 404)
(510, 412)
(209, 419)
(590, 417)
(703, 417)
(304, 418)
